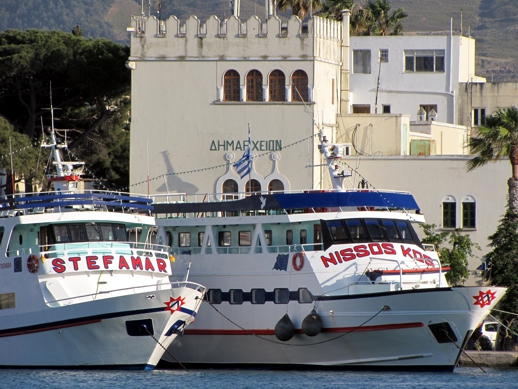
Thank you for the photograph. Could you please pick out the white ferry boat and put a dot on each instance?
(332, 278)
(80, 284)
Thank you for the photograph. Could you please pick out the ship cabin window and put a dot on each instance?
(184, 239)
(390, 230)
(200, 238)
(281, 296)
(258, 296)
(7, 301)
(289, 237)
(245, 238)
(214, 296)
(303, 236)
(368, 230)
(374, 230)
(224, 238)
(20, 239)
(304, 296)
(1, 234)
(236, 296)
(83, 232)
(169, 238)
(268, 236)
(356, 230)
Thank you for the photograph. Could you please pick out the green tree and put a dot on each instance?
(495, 140)
(502, 263)
(16, 148)
(385, 22)
(455, 255)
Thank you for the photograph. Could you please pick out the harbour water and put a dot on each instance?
(463, 377)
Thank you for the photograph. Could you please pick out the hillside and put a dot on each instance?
(494, 23)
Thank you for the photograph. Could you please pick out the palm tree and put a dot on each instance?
(332, 9)
(299, 7)
(384, 22)
(497, 139)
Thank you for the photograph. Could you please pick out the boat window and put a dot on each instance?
(289, 236)
(303, 236)
(374, 230)
(245, 238)
(169, 238)
(236, 296)
(224, 238)
(60, 233)
(268, 236)
(20, 239)
(184, 239)
(200, 238)
(258, 296)
(281, 296)
(390, 230)
(404, 231)
(77, 232)
(93, 232)
(304, 296)
(214, 296)
(120, 232)
(7, 300)
(356, 230)
(107, 232)
(1, 234)
(337, 231)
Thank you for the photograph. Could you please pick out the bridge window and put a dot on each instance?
(374, 229)
(224, 238)
(356, 230)
(245, 238)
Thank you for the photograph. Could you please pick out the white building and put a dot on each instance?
(197, 87)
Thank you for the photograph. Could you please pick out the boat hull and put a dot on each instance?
(105, 333)
(392, 330)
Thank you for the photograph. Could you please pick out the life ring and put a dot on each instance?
(33, 263)
(297, 261)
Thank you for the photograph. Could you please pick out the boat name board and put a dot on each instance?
(365, 250)
(109, 262)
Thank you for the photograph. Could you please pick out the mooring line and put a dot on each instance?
(384, 308)
(165, 349)
(463, 351)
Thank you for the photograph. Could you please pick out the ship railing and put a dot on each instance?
(64, 201)
(400, 264)
(273, 249)
(111, 247)
(119, 292)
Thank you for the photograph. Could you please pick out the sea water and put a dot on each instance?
(464, 377)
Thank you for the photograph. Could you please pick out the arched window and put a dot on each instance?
(275, 186)
(449, 212)
(469, 214)
(299, 86)
(230, 186)
(253, 187)
(276, 82)
(254, 86)
(232, 91)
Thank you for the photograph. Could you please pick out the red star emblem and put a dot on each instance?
(174, 304)
(484, 298)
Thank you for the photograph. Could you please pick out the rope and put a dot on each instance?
(384, 308)
(462, 351)
(171, 355)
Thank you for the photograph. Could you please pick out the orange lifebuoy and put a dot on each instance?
(297, 261)
(33, 263)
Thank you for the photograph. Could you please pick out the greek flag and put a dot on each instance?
(244, 165)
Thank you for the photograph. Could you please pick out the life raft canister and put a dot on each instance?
(33, 263)
(297, 261)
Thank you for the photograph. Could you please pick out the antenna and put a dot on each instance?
(377, 84)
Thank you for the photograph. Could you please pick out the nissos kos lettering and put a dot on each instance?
(109, 262)
(365, 250)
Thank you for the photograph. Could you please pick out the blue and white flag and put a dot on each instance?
(244, 165)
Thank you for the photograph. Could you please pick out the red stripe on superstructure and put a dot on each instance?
(384, 327)
(43, 329)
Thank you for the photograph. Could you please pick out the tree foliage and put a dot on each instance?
(502, 261)
(495, 140)
(455, 254)
(88, 79)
